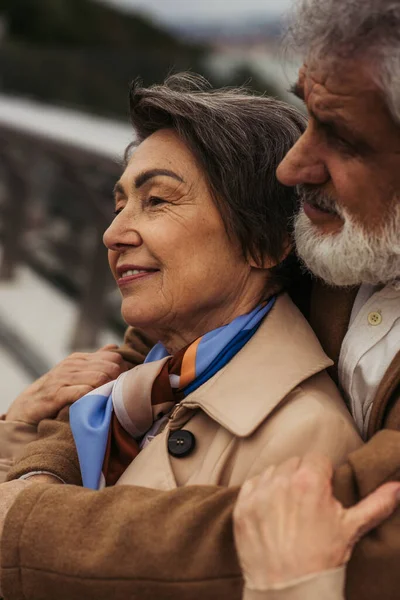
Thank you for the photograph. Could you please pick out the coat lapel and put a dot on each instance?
(330, 312)
(386, 407)
(282, 354)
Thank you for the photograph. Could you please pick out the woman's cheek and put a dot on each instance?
(112, 261)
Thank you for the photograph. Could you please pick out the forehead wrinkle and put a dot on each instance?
(351, 82)
(320, 99)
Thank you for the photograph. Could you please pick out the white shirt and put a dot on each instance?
(370, 345)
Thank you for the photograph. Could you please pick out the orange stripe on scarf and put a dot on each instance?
(188, 370)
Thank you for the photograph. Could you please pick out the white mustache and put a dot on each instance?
(318, 199)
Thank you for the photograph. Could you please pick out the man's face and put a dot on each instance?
(347, 164)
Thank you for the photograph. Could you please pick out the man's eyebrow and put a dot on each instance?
(144, 177)
(297, 90)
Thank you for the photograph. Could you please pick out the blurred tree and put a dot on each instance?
(246, 76)
(83, 23)
(83, 54)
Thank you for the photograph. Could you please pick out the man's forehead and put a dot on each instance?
(349, 96)
(337, 78)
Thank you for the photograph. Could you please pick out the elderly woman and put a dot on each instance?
(199, 248)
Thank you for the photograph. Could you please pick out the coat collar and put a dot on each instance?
(282, 354)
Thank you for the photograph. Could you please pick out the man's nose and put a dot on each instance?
(121, 233)
(302, 165)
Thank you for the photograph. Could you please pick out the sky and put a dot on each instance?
(205, 10)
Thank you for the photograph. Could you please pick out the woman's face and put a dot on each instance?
(179, 273)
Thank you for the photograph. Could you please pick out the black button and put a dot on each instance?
(181, 443)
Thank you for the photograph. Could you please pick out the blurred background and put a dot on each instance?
(65, 68)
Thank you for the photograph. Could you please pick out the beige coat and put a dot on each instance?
(273, 400)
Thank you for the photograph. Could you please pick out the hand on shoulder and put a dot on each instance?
(288, 525)
(72, 378)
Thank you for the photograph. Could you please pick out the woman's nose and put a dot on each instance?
(121, 233)
(302, 165)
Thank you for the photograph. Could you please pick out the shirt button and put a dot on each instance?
(374, 318)
(181, 443)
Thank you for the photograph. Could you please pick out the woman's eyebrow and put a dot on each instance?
(118, 190)
(144, 177)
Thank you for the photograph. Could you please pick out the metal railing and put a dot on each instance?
(55, 203)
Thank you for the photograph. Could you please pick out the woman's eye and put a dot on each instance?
(156, 201)
(117, 211)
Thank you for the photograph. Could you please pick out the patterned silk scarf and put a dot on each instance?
(110, 423)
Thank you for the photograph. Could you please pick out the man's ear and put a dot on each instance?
(267, 262)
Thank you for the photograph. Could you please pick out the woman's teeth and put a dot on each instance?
(132, 272)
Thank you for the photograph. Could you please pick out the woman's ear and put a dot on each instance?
(268, 262)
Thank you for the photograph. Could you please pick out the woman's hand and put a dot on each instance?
(68, 381)
(288, 524)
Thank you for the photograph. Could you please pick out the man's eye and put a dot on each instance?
(117, 211)
(347, 147)
(342, 144)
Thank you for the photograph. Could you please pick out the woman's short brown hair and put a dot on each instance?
(239, 139)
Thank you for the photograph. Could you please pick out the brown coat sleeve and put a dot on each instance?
(54, 451)
(14, 437)
(136, 543)
(124, 542)
(374, 569)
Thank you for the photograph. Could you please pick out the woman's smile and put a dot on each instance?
(128, 273)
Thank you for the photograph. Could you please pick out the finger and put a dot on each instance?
(318, 465)
(107, 355)
(287, 468)
(264, 478)
(249, 486)
(244, 498)
(79, 358)
(70, 395)
(261, 493)
(94, 379)
(101, 361)
(111, 369)
(374, 509)
(108, 347)
(96, 362)
(126, 366)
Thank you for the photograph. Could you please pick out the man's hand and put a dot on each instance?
(288, 524)
(68, 381)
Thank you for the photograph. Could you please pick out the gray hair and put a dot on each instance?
(336, 29)
(239, 139)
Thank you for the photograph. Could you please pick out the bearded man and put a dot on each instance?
(347, 165)
(347, 232)
(293, 536)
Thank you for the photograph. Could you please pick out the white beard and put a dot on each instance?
(352, 256)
